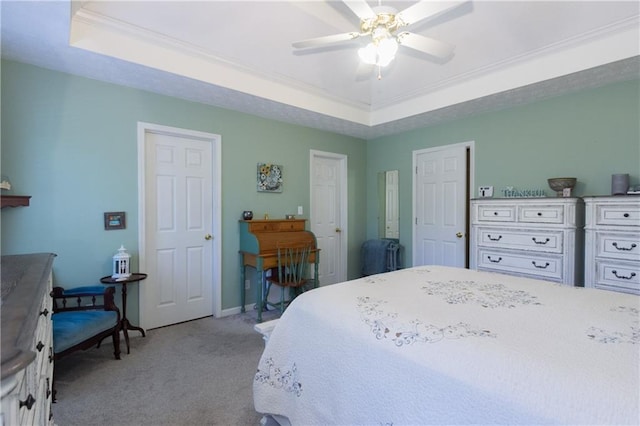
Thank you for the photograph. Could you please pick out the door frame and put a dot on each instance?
(216, 226)
(344, 215)
(470, 159)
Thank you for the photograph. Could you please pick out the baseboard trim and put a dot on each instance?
(236, 310)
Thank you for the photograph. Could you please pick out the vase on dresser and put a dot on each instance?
(612, 243)
(533, 237)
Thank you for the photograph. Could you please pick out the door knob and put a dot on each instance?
(459, 235)
(338, 230)
(208, 237)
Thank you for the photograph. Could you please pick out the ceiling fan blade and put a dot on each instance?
(323, 41)
(425, 9)
(426, 45)
(361, 8)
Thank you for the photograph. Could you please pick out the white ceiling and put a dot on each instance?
(238, 55)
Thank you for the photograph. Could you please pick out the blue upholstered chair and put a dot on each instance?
(82, 318)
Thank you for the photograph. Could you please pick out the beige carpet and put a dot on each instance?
(195, 373)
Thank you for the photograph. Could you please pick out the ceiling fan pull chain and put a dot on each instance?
(379, 72)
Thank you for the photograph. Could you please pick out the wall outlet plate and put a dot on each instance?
(485, 191)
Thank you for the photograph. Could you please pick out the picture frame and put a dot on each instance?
(114, 220)
(269, 177)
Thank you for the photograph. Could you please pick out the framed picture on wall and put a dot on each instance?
(114, 220)
(269, 177)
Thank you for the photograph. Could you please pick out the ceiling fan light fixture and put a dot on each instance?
(380, 52)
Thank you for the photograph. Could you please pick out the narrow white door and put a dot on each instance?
(178, 227)
(328, 218)
(392, 221)
(440, 199)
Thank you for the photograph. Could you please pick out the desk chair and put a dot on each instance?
(291, 273)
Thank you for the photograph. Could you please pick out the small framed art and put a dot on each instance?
(114, 220)
(269, 177)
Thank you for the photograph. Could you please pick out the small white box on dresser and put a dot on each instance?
(612, 243)
(533, 237)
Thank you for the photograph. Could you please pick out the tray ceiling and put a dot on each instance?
(238, 55)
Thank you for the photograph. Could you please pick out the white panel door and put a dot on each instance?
(440, 199)
(328, 214)
(178, 229)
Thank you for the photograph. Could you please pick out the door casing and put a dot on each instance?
(216, 226)
(470, 182)
(341, 201)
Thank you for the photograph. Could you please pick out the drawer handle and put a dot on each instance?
(45, 312)
(546, 240)
(494, 239)
(622, 277)
(546, 264)
(48, 388)
(495, 213)
(50, 354)
(39, 346)
(539, 213)
(493, 260)
(28, 402)
(633, 245)
(626, 215)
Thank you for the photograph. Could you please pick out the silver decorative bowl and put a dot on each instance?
(558, 184)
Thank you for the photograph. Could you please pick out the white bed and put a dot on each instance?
(439, 345)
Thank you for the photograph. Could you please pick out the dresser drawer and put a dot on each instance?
(546, 267)
(617, 276)
(538, 241)
(291, 225)
(489, 213)
(276, 225)
(625, 246)
(541, 213)
(618, 214)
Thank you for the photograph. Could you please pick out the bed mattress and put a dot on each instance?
(441, 345)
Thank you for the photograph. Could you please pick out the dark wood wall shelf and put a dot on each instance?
(15, 200)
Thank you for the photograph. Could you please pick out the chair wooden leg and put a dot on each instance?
(282, 301)
(116, 342)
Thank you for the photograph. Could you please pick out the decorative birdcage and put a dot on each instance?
(121, 262)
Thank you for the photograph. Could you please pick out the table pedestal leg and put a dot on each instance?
(125, 325)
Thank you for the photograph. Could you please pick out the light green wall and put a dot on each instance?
(590, 135)
(71, 143)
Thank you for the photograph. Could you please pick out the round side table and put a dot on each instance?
(125, 325)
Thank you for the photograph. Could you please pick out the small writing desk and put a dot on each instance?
(124, 322)
(259, 241)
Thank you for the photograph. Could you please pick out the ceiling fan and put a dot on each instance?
(382, 24)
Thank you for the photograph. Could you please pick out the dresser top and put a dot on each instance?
(24, 286)
(612, 197)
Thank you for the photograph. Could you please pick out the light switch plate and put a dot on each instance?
(485, 191)
(300, 210)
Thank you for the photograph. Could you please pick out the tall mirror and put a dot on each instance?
(388, 218)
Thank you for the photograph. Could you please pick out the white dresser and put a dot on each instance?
(27, 344)
(612, 243)
(533, 237)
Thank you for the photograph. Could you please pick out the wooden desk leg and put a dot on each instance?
(242, 278)
(260, 301)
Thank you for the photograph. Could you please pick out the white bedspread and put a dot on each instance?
(438, 345)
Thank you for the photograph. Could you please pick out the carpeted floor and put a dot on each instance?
(194, 373)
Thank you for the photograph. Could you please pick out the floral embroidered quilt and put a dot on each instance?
(441, 345)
